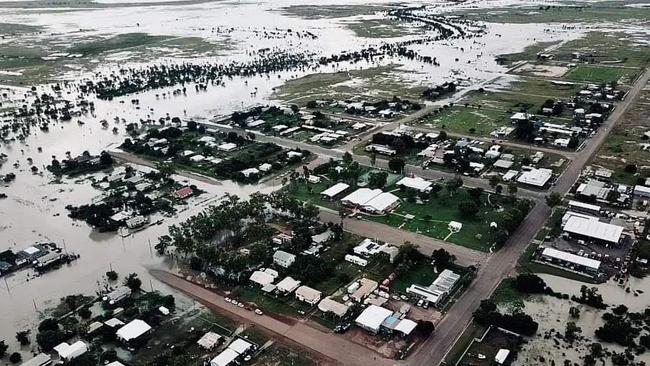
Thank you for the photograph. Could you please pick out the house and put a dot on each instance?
(183, 193)
(566, 259)
(113, 323)
(334, 190)
(382, 203)
(266, 167)
(133, 330)
(537, 177)
(503, 164)
(283, 259)
(42, 359)
(520, 117)
(313, 179)
(288, 285)
(363, 288)
(235, 350)
(263, 278)
(360, 196)
(415, 183)
(372, 317)
(593, 188)
(584, 228)
(308, 295)
(328, 305)
(69, 352)
(136, 222)
(209, 340)
(247, 173)
(117, 295)
(228, 146)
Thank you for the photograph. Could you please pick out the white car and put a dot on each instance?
(234, 302)
(240, 305)
(227, 299)
(259, 312)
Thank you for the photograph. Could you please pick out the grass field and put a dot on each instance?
(371, 84)
(468, 121)
(421, 274)
(432, 219)
(600, 74)
(382, 28)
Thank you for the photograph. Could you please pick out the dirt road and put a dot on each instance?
(329, 345)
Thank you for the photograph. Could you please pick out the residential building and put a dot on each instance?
(308, 295)
(133, 330)
(283, 259)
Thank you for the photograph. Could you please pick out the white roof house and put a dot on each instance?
(365, 288)
(250, 171)
(503, 164)
(537, 177)
(228, 146)
(209, 340)
(113, 322)
(589, 263)
(381, 203)
(433, 296)
(133, 330)
(262, 278)
(224, 358)
(71, 351)
(501, 356)
(308, 295)
(593, 229)
(115, 363)
(283, 259)
(416, 183)
(372, 317)
(240, 346)
(328, 305)
(361, 196)
(288, 285)
(335, 190)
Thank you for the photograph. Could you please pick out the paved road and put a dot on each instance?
(327, 344)
(389, 234)
(502, 263)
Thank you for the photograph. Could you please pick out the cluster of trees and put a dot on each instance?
(439, 91)
(590, 296)
(81, 164)
(213, 234)
(623, 327)
(518, 322)
(400, 143)
(13, 358)
(529, 283)
(509, 221)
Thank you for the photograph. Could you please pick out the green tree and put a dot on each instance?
(166, 170)
(377, 179)
(512, 188)
(3, 349)
(396, 164)
(553, 199)
(23, 337)
(133, 282)
(15, 357)
(494, 181)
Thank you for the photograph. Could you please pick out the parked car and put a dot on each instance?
(259, 312)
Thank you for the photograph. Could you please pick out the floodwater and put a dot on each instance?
(35, 209)
(552, 313)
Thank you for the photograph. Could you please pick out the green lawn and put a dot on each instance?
(420, 274)
(469, 121)
(432, 219)
(599, 74)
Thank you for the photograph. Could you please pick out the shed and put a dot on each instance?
(335, 190)
(372, 317)
(224, 358)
